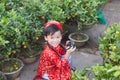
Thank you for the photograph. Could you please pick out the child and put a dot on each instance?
(55, 62)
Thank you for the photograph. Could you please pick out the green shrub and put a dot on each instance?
(109, 47)
(22, 20)
(19, 28)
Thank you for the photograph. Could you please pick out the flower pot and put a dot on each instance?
(79, 38)
(2, 76)
(30, 59)
(11, 67)
(88, 25)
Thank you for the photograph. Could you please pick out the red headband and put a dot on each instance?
(58, 24)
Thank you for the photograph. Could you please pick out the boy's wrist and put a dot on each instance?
(67, 55)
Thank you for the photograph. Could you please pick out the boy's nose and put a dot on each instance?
(55, 40)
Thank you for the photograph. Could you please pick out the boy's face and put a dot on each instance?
(55, 39)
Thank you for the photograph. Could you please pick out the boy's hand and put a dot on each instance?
(69, 44)
(70, 50)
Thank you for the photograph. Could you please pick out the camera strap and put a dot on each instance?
(56, 52)
(53, 50)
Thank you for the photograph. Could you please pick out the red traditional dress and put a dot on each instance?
(52, 64)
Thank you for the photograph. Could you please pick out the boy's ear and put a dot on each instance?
(45, 38)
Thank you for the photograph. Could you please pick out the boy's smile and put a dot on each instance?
(54, 39)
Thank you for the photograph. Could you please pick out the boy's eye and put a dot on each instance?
(58, 37)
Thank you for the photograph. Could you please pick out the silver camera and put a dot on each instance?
(69, 45)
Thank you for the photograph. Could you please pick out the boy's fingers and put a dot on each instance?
(67, 42)
(72, 49)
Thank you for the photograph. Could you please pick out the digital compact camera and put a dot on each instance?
(69, 45)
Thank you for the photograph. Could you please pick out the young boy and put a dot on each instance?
(55, 62)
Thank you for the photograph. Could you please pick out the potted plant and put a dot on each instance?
(30, 54)
(19, 28)
(79, 38)
(89, 9)
(11, 67)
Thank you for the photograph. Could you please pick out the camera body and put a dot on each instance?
(70, 44)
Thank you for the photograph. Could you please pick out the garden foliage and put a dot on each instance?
(22, 21)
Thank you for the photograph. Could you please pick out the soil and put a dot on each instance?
(9, 65)
(78, 37)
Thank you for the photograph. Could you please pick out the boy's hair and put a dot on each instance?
(51, 30)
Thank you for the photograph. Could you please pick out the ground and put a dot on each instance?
(87, 55)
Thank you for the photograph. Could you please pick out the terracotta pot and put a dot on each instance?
(30, 59)
(79, 38)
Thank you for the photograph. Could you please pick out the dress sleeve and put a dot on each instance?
(58, 61)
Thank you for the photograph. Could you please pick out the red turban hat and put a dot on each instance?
(56, 23)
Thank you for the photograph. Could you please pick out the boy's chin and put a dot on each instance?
(54, 45)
